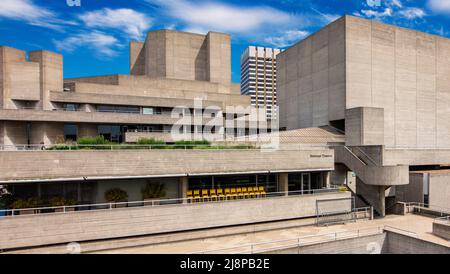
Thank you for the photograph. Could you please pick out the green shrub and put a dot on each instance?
(153, 191)
(116, 195)
(61, 201)
(6, 200)
(26, 203)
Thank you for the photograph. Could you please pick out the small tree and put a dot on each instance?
(153, 191)
(116, 195)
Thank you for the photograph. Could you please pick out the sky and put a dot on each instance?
(93, 35)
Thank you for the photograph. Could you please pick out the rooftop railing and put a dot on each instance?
(9, 213)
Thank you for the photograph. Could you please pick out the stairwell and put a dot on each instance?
(372, 177)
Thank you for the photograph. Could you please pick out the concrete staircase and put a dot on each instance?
(372, 177)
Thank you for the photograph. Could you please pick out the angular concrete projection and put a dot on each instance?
(364, 126)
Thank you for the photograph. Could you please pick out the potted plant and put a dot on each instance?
(153, 192)
(25, 204)
(60, 202)
(116, 195)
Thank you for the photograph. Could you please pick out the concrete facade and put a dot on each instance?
(355, 63)
(106, 224)
(178, 55)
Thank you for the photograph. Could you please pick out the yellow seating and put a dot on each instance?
(227, 193)
(197, 195)
(245, 192)
(233, 193)
(213, 194)
(256, 191)
(205, 195)
(219, 194)
(239, 193)
(189, 195)
(251, 193)
(262, 192)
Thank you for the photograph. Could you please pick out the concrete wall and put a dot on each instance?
(70, 164)
(413, 192)
(180, 55)
(103, 224)
(311, 79)
(400, 70)
(401, 244)
(386, 243)
(364, 126)
(51, 74)
(372, 244)
(440, 190)
(137, 58)
(442, 229)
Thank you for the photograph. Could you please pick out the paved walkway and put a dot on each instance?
(420, 225)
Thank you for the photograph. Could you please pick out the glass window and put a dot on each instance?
(148, 111)
(70, 132)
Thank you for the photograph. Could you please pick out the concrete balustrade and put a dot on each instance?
(36, 230)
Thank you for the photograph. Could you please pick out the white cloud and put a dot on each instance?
(101, 43)
(133, 23)
(289, 38)
(396, 3)
(218, 16)
(377, 14)
(441, 6)
(26, 10)
(412, 13)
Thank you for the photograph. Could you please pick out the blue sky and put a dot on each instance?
(94, 37)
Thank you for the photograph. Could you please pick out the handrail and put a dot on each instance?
(441, 210)
(299, 241)
(156, 202)
(354, 155)
(373, 162)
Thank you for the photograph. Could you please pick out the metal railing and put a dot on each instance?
(295, 242)
(156, 202)
(442, 211)
(56, 147)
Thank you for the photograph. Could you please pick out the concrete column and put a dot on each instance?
(283, 182)
(183, 186)
(327, 179)
(382, 202)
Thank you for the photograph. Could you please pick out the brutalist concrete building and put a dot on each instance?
(388, 90)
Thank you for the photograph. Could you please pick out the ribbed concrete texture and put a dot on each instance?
(22, 231)
(60, 164)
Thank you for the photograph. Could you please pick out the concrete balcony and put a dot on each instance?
(57, 228)
(95, 164)
(32, 115)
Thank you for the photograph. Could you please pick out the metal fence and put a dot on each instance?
(423, 208)
(6, 213)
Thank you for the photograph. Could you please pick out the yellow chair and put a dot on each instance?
(189, 196)
(233, 193)
(245, 192)
(213, 194)
(220, 195)
(227, 193)
(239, 193)
(205, 196)
(256, 191)
(251, 193)
(196, 196)
(262, 192)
